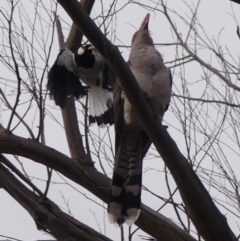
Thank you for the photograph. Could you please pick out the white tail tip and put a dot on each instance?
(114, 212)
(133, 215)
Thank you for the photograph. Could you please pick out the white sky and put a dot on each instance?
(214, 16)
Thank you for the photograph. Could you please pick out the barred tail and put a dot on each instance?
(125, 194)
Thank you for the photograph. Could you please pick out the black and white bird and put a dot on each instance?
(132, 142)
(88, 66)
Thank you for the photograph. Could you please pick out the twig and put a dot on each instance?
(195, 57)
(15, 64)
(238, 32)
(207, 101)
(17, 115)
(4, 160)
(49, 172)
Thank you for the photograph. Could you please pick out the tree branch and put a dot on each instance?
(87, 176)
(47, 215)
(226, 80)
(69, 114)
(208, 220)
(75, 36)
(236, 1)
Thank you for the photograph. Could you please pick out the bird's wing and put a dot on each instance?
(94, 71)
(101, 109)
(63, 81)
(170, 83)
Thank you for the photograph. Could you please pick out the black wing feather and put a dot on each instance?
(62, 82)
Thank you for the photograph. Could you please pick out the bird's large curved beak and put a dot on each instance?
(144, 25)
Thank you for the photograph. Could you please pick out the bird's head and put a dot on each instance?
(85, 56)
(142, 36)
(85, 50)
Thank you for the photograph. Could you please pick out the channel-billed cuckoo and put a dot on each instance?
(132, 142)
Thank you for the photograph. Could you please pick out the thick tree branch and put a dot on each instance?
(69, 114)
(75, 36)
(236, 1)
(74, 137)
(79, 172)
(87, 176)
(208, 220)
(8, 164)
(46, 214)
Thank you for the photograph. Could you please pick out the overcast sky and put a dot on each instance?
(215, 16)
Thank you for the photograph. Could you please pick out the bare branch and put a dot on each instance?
(210, 223)
(195, 57)
(47, 215)
(87, 176)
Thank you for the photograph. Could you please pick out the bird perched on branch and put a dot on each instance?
(88, 66)
(132, 142)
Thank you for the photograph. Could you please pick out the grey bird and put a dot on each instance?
(132, 143)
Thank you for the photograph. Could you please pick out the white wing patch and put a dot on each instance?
(80, 51)
(66, 59)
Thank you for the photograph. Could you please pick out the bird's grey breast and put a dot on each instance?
(152, 76)
(146, 64)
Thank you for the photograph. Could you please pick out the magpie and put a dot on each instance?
(80, 73)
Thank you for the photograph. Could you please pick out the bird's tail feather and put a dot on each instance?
(100, 106)
(125, 194)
